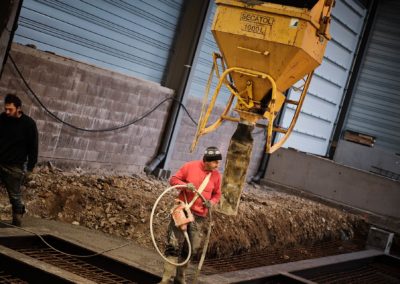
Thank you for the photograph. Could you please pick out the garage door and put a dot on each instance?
(130, 37)
(375, 108)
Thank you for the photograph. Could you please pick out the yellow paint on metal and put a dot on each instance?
(278, 40)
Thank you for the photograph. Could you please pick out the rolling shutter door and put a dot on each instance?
(204, 63)
(374, 109)
(130, 37)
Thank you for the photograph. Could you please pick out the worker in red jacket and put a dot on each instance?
(192, 174)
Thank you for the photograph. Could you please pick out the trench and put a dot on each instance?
(282, 255)
(99, 269)
(16, 272)
(377, 270)
(102, 269)
(382, 269)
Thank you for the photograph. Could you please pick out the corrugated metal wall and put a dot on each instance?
(375, 107)
(131, 37)
(204, 63)
(323, 101)
(9, 11)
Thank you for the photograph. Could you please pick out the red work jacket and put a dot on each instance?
(194, 172)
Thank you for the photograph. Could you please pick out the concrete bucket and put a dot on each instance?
(266, 47)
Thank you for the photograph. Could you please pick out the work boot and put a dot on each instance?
(169, 270)
(17, 219)
(180, 277)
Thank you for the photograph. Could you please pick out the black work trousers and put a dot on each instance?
(12, 177)
(176, 244)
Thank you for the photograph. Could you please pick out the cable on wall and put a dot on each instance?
(147, 113)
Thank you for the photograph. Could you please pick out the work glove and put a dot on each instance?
(191, 187)
(207, 204)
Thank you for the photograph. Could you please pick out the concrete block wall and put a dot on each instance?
(88, 97)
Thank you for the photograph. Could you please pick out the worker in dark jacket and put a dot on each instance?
(18, 148)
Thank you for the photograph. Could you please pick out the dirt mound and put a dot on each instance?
(121, 205)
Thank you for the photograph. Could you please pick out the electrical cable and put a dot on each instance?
(95, 130)
(64, 253)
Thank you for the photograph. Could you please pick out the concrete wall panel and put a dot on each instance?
(329, 180)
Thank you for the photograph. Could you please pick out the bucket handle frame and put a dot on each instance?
(202, 129)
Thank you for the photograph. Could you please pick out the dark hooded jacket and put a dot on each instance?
(18, 141)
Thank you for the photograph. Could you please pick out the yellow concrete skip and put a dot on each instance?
(265, 49)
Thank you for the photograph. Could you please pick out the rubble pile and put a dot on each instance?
(121, 205)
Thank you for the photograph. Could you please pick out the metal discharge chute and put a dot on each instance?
(266, 47)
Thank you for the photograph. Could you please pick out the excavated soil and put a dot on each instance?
(121, 205)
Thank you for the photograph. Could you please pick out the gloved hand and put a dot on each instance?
(207, 204)
(191, 187)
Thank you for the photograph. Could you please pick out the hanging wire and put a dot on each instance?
(147, 113)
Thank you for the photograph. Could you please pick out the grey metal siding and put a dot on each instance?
(324, 98)
(131, 37)
(204, 63)
(375, 108)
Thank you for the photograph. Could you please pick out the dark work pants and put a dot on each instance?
(176, 243)
(12, 177)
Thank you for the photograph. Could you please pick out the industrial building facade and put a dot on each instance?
(100, 64)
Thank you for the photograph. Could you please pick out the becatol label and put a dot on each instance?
(256, 19)
(255, 23)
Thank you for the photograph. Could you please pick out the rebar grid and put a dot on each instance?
(10, 279)
(377, 273)
(72, 264)
(281, 255)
